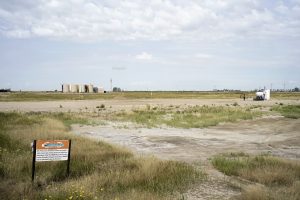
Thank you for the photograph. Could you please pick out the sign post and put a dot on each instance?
(33, 160)
(69, 158)
(51, 150)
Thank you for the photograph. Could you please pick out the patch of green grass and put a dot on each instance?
(98, 170)
(289, 111)
(68, 119)
(262, 169)
(191, 117)
(276, 174)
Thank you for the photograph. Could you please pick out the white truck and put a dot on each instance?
(262, 95)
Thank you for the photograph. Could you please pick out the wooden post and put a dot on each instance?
(33, 160)
(69, 159)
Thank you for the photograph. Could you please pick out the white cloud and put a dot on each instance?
(88, 20)
(144, 56)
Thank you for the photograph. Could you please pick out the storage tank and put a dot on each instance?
(81, 89)
(100, 89)
(65, 88)
(90, 90)
(95, 89)
(74, 88)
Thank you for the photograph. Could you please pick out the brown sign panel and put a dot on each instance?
(51, 150)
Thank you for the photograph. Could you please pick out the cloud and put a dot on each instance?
(203, 56)
(144, 56)
(118, 68)
(90, 20)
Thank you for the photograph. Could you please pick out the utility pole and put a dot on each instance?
(271, 87)
(111, 89)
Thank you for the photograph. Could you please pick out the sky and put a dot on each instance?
(150, 45)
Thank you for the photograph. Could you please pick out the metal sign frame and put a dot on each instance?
(34, 153)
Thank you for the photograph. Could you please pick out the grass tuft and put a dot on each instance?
(289, 111)
(274, 174)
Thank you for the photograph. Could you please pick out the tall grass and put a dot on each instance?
(191, 117)
(289, 111)
(275, 174)
(98, 170)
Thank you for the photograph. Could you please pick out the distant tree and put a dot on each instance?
(296, 89)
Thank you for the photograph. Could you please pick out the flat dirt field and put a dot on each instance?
(126, 104)
(271, 134)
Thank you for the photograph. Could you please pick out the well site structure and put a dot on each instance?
(81, 88)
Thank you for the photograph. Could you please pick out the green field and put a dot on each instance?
(48, 96)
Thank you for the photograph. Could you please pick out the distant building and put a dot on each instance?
(5, 90)
(81, 88)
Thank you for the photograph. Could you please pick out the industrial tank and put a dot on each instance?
(74, 88)
(90, 90)
(65, 88)
(100, 89)
(81, 89)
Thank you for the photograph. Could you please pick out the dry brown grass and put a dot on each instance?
(275, 178)
(258, 192)
(48, 96)
(98, 170)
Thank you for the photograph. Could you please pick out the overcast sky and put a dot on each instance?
(150, 45)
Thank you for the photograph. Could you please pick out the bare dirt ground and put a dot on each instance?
(274, 135)
(79, 105)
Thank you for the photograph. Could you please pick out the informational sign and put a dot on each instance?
(52, 150)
